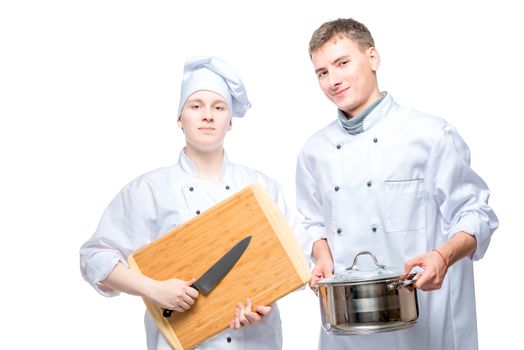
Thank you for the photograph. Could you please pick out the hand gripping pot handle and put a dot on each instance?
(400, 284)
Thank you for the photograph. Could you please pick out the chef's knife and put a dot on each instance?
(211, 277)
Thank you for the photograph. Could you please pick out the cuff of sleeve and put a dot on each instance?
(99, 268)
(472, 224)
(313, 234)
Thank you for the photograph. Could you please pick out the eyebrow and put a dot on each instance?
(199, 100)
(194, 100)
(341, 58)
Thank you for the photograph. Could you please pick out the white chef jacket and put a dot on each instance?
(399, 189)
(152, 205)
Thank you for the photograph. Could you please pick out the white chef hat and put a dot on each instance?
(213, 74)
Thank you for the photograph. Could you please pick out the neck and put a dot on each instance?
(356, 124)
(208, 164)
(375, 95)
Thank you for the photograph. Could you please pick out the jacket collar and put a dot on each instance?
(188, 167)
(376, 115)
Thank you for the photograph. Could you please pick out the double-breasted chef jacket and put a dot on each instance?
(398, 189)
(152, 205)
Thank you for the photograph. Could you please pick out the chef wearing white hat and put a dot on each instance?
(212, 74)
(155, 202)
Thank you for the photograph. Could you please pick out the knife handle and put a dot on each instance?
(167, 313)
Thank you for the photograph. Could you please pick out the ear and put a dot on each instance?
(374, 58)
(230, 125)
(179, 123)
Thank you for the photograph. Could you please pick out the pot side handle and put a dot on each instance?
(400, 284)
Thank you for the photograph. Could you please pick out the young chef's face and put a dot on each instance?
(346, 74)
(205, 120)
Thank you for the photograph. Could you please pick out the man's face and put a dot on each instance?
(346, 74)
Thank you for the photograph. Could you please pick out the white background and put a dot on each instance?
(88, 97)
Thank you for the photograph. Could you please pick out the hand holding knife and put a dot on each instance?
(208, 281)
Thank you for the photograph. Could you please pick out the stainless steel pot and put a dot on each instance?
(364, 301)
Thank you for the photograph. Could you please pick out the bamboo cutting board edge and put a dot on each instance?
(290, 246)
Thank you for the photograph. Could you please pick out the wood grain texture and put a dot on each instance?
(272, 265)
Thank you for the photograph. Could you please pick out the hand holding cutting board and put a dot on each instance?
(246, 315)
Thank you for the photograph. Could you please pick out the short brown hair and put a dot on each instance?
(342, 27)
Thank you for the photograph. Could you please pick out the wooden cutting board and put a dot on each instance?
(272, 266)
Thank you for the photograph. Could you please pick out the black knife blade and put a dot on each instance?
(218, 270)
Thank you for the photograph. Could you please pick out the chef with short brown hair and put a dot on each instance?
(386, 178)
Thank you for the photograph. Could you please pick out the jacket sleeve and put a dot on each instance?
(309, 204)
(123, 228)
(461, 195)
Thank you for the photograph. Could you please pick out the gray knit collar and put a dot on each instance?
(355, 125)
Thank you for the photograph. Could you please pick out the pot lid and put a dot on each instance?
(354, 273)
